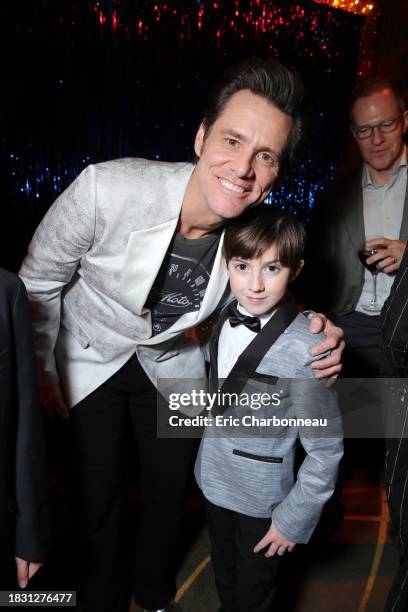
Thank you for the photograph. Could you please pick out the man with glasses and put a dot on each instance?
(365, 208)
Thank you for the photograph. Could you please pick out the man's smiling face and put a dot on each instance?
(239, 156)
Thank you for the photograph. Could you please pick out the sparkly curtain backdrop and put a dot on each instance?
(89, 81)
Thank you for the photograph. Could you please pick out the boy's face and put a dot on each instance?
(259, 284)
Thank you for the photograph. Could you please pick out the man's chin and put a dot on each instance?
(382, 164)
(233, 211)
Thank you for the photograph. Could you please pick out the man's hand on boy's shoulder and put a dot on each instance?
(329, 367)
(276, 542)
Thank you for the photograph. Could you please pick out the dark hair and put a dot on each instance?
(250, 234)
(267, 78)
(369, 86)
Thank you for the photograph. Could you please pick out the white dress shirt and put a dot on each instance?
(383, 208)
(234, 340)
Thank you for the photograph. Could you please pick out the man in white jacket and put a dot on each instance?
(126, 260)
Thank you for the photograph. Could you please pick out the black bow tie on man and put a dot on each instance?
(237, 318)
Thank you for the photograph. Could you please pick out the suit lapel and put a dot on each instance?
(145, 252)
(213, 347)
(249, 360)
(354, 214)
(147, 246)
(404, 223)
(215, 289)
(214, 292)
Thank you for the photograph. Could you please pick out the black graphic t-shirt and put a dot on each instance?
(182, 279)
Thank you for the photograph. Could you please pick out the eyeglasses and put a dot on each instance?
(366, 131)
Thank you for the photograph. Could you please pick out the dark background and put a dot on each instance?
(84, 81)
(87, 81)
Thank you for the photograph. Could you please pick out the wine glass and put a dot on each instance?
(364, 254)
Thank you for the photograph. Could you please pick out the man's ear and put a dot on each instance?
(299, 266)
(199, 140)
(405, 120)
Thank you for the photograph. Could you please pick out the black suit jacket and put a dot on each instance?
(395, 325)
(23, 470)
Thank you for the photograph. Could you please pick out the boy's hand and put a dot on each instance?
(330, 366)
(277, 543)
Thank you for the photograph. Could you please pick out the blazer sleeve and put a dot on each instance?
(64, 235)
(31, 486)
(298, 514)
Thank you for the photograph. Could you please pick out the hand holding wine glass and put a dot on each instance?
(389, 253)
(365, 255)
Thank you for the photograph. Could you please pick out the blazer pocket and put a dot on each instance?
(4, 357)
(265, 458)
(266, 378)
(70, 322)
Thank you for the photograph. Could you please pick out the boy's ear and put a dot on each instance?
(299, 266)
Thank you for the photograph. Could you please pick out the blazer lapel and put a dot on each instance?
(147, 246)
(145, 252)
(249, 360)
(354, 215)
(213, 348)
(215, 289)
(404, 223)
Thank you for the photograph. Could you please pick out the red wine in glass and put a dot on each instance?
(363, 255)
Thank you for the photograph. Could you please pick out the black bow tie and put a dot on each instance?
(236, 318)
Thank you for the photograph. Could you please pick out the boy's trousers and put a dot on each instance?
(246, 582)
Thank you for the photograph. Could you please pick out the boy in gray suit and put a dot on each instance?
(247, 473)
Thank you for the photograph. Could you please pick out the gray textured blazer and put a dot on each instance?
(90, 267)
(252, 471)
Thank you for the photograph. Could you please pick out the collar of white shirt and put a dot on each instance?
(234, 340)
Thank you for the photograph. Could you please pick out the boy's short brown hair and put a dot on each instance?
(250, 234)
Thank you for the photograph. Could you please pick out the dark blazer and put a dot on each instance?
(395, 325)
(333, 276)
(23, 470)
